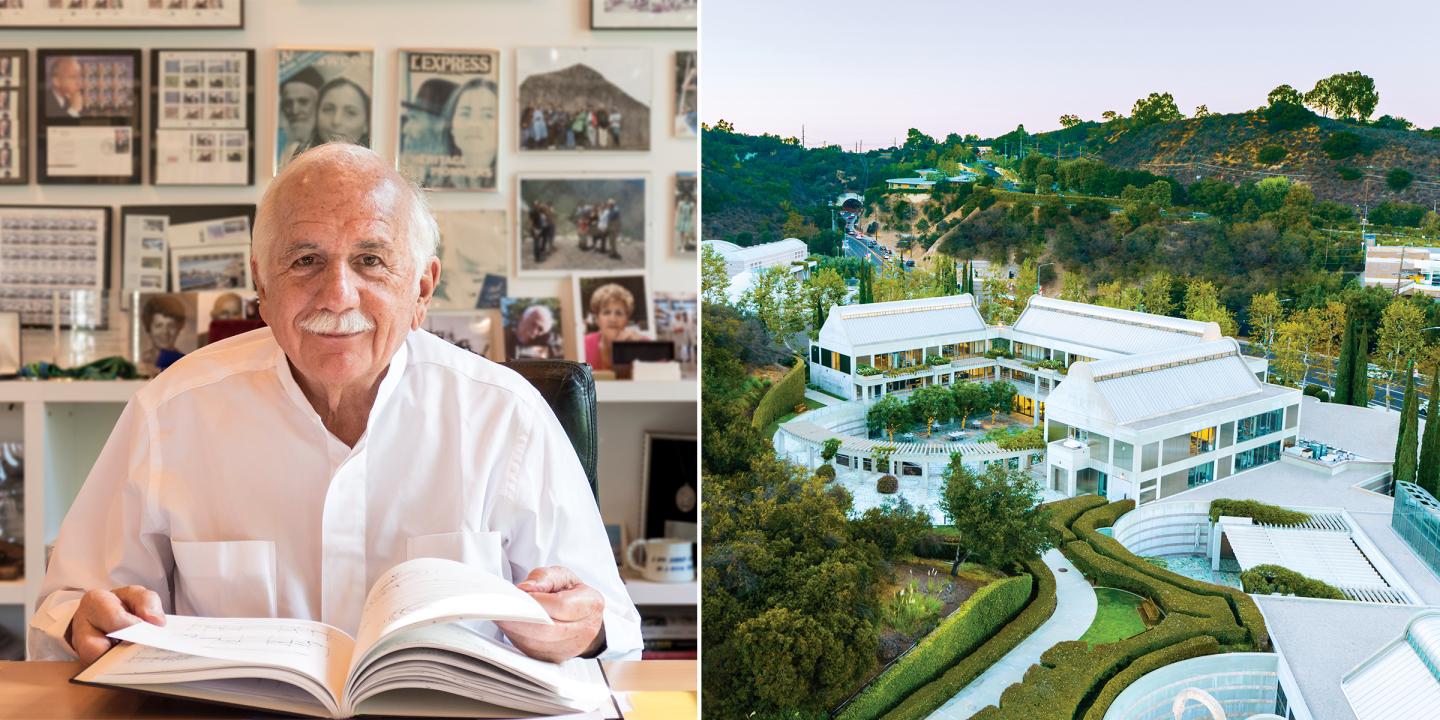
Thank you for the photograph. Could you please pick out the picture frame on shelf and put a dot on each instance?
(447, 120)
(676, 320)
(202, 117)
(14, 117)
(308, 77)
(87, 111)
(10, 339)
(583, 99)
(610, 308)
(591, 223)
(168, 329)
(149, 233)
(687, 83)
(669, 496)
(122, 15)
(49, 249)
(644, 14)
(534, 328)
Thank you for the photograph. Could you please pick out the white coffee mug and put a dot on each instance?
(662, 559)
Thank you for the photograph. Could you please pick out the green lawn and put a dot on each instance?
(772, 427)
(1117, 617)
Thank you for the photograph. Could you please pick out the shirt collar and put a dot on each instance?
(393, 373)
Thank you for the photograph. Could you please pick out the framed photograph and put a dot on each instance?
(472, 330)
(210, 268)
(582, 224)
(122, 14)
(610, 308)
(595, 99)
(644, 14)
(676, 318)
(148, 234)
(212, 305)
(687, 82)
(10, 344)
(449, 118)
(324, 96)
(619, 540)
(168, 331)
(202, 115)
(14, 117)
(50, 248)
(533, 328)
(474, 260)
(669, 492)
(88, 116)
(684, 229)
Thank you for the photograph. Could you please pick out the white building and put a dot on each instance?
(1151, 425)
(742, 264)
(1413, 269)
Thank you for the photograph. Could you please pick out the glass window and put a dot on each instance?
(1201, 474)
(1227, 434)
(825, 357)
(1292, 416)
(1202, 441)
(1124, 455)
(1259, 425)
(844, 363)
(1150, 456)
(814, 353)
(1255, 457)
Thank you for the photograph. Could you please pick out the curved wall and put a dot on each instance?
(1166, 528)
(1245, 684)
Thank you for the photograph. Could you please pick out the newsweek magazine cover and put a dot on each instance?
(449, 118)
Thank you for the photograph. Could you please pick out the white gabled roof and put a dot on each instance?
(1400, 680)
(1104, 328)
(901, 320)
(1133, 388)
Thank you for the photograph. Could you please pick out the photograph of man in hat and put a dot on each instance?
(298, 94)
(422, 126)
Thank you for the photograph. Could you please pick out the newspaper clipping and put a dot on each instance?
(449, 118)
(324, 97)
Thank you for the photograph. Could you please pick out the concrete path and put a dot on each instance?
(1074, 611)
(821, 398)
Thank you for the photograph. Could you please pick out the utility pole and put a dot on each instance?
(802, 135)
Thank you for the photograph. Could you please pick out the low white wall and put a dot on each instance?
(1243, 683)
(1166, 528)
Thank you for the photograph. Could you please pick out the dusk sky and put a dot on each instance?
(850, 70)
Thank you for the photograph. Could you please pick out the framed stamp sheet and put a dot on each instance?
(87, 111)
(202, 114)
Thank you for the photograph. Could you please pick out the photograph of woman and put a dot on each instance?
(614, 308)
(449, 118)
(324, 96)
(342, 114)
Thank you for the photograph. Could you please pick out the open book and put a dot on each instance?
(416, 653)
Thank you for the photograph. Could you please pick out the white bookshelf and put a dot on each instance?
(647, 593)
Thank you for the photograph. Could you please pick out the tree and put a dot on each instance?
(996, 513)
(888, 413)
(1427, 474)
(1202, 111)
(1342, 145)
(1000, 396)
(969, 399)
(1271, 154)
(1284, 94)
(825, 289)
(1266, 314)
(1069, 121)
(1404, 470)
(1399, 338)
(867, 279)
(829, 449)
(1398, 179)
(1155, 108)
(881, 454)
(714, 280)
(777, 299)
(1155, 294)
(1202, 303)
(1354, 94)
(934, 403)
(1292, 359)
(1345, 368)
(1110, 115)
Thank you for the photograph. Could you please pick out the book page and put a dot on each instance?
(312, 649)
(432, 590)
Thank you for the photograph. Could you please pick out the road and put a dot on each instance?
(856, 247)
(1378, 389)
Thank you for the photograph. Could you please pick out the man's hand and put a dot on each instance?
(577, 609)
(105, 611)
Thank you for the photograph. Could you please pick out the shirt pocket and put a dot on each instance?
(479, 549)
(225, 579)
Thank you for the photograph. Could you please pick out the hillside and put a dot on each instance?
(1225, 147)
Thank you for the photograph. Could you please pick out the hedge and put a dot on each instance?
(1192, 648)
(975, 621)
(887, 485)
(1064, 512)
(927, 699)
(781, 399)
(1270, 579)
(1260, 512)
(825, 472)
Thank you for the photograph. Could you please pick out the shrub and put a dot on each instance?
(936, 360)
(1398, 179)
(1025, 440)
(867, 371)
(1185, 650)
(825, 472)
(780, 398)
(1064, 512)
(1274, 579)
(1348, 173)
(927, 699)
(976, 620)
(1318, 392)
(1342, 145)
(1260, 512)
(1271, 154)
(887, 485)
(1287, 116)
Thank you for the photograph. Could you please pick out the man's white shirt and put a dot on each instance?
(221, 490)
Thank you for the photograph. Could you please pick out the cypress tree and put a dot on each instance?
(1405, 442)
(1427, 475)
(1346, 367)
(1359, 377)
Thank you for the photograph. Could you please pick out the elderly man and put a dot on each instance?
(280, 472)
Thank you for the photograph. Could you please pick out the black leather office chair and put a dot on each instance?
(569, 388)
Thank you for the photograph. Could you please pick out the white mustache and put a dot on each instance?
(324, 322)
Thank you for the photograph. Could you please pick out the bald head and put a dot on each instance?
(332, 179)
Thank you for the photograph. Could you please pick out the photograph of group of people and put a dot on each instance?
(581, 224)
(584, 98)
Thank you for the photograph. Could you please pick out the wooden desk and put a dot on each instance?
(43, 691)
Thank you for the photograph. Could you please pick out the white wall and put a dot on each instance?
(386, 26)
